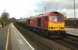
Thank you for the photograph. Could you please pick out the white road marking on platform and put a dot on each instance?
(23, 37)
(7, 40)
(27, 42)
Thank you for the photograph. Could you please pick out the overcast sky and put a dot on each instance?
(26, 8)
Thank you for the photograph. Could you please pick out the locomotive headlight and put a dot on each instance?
(61, 27)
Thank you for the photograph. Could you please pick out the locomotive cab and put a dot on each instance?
(56, 25)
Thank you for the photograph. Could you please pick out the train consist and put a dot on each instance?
(52, 23)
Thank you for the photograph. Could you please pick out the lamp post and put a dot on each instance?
(74, 10)
(75, 22)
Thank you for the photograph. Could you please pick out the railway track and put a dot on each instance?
(68, 41)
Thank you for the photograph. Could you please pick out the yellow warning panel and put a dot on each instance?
(55, 25)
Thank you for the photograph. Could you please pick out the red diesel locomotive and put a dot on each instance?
(51, 22)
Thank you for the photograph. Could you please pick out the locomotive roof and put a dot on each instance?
(54, 13)
(46, 14)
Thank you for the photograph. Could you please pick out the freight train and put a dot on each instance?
(52, 23)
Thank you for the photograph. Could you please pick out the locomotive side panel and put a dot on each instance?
(44, 22)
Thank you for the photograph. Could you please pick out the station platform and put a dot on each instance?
(72, 31)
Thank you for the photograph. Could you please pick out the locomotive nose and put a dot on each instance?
(55, 26)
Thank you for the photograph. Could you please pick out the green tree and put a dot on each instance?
(4, 19)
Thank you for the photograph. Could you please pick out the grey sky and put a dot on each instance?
(64, 6)
(27, 8)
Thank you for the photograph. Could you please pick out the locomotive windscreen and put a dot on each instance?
(60, 18)
(56, 18)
